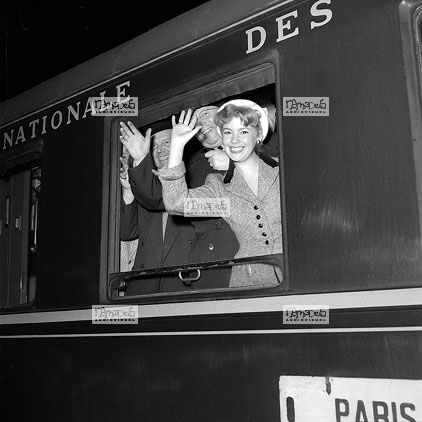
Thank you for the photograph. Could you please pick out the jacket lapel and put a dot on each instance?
(239, 187)
(172, 230)
(154, 223)
(267, 177)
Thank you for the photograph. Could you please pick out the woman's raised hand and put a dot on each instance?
(184, 130)
(181, 133)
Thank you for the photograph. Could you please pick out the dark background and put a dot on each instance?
(40, 40)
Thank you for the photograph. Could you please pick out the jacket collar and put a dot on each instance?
(268, 175)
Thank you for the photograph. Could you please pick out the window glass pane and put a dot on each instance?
(33, 230)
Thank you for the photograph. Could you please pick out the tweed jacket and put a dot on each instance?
(255, 220)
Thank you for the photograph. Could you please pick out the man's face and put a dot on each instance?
(161, 148)
(208, 135)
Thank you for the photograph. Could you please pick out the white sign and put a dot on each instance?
(326, 399)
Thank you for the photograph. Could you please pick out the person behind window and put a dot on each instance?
(213, 239)
(208, 133)
(251, 184)
(163, 240)
(128, 248)
(210, 139)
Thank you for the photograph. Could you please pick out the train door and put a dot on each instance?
(19, 200)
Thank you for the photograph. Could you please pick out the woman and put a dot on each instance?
(251, 185)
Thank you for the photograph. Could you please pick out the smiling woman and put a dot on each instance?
(251, 186)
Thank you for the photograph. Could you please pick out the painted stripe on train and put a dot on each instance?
(344, 300)
(230, 332)
(134, 69)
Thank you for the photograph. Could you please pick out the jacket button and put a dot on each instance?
(142, 243)
(264, 234)
(255, 207)
(267, 242)
(258, 217)
(210, 246)
(142, 265)
(260, 225)
(189, 241)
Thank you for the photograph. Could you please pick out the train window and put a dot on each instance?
(228, 232)
(20, 190)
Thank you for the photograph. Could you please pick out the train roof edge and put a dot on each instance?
(195, 24)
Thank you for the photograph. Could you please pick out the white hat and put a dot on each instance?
(255, 106)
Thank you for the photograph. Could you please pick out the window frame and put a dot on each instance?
(151, 111)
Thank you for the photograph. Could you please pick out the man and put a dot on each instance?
(210, 140)
(128, 248)
(163, 240)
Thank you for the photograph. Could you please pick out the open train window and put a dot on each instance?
(20, 188)
(231, 239)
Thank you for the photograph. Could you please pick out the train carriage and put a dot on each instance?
(337, 339)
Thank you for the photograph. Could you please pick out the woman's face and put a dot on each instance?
(239, 141)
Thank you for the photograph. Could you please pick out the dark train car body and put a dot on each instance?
(351, 207)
